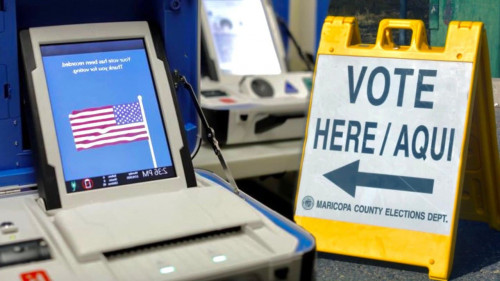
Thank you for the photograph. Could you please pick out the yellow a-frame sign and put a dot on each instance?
(395, 135)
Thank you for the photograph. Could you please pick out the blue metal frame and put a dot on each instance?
(182, 47)
(282, 9)
(178, 22)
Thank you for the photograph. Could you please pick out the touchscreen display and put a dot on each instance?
(242, 37)
(107, 118)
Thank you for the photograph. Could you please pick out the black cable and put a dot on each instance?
(210, 133)
(283, 24)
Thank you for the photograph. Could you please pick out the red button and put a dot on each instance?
(36, 275)
(227, 100)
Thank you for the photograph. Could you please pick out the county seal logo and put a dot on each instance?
(307, 202)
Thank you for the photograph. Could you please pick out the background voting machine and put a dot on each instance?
(248, 94)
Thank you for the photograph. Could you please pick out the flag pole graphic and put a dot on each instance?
(139, 97)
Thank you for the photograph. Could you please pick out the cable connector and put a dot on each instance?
(178, 79)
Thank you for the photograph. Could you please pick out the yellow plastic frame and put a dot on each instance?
(465, 40)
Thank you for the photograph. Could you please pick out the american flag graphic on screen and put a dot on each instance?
(108, 125)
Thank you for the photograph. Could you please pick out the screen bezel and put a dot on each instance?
(116, 174)
(104, 32)
(275, 35)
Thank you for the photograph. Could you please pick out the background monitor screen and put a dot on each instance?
(108, 123)
(242, 38)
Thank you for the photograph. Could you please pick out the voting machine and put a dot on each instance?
(248, 94)
(117, 197)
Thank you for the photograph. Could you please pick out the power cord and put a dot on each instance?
(306, 61)
(210, 133)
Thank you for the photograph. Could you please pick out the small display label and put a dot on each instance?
(119, 179)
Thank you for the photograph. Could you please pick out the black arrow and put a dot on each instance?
(348, 177)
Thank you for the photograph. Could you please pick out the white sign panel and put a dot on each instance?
(384, 141)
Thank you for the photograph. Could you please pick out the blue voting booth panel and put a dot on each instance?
(181, 45)
(15, 160)
(282, 9)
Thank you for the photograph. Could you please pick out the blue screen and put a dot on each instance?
(107, 118)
